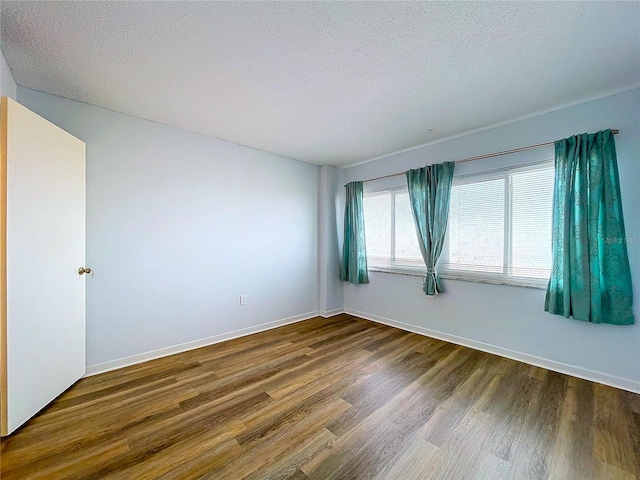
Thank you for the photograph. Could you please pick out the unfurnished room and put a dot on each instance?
(320, 240)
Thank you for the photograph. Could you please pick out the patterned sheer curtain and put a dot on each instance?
(354, 251)
(429, 195)
(590, 278)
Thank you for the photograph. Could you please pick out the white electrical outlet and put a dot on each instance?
(430, 300)
(243, 299)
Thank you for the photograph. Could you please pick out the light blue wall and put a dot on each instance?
(8, 86)
(330, 239)
(180, 225)
(512, 318)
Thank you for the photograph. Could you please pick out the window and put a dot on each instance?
(390, 232)
(499, 228)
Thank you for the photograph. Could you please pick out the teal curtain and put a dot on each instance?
(429, 193)
(354, 251)
(590, 278)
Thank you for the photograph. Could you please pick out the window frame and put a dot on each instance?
(504, 278)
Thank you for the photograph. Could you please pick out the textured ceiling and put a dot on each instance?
(326, 82)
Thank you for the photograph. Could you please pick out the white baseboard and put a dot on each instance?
(183, 347)
(331, 313)
(573, 370)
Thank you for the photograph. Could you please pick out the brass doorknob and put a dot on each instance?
(83, 270)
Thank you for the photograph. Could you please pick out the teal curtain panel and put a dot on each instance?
(354, 250)
(429, 194)
(590, 277)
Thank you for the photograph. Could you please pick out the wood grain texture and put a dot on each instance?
(338, 398)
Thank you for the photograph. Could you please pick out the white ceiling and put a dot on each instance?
(326, 82)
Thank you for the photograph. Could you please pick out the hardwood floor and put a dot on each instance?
(338, 398)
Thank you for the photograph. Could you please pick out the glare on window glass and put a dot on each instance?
(405, 234)
(377, 218)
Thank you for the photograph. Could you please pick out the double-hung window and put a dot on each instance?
(499, 228)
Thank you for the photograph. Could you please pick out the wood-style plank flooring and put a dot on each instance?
(338, 398)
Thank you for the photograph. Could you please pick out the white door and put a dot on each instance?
(42, 192)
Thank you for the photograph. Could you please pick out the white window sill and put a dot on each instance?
(420, 272)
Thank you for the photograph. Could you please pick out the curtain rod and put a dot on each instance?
(486, 155)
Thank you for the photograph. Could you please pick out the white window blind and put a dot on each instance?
(500, 226)
(390, 232)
